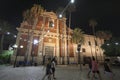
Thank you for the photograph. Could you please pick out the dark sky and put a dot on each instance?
(105, 12)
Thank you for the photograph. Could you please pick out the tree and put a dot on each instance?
(31, 17)
(112, 47)
(93, 23)
(107, 35)
(101, 36)
(71, 8)
(4, 28)
(78, 38)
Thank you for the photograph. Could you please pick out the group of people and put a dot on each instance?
(93, 68)
(50, 69)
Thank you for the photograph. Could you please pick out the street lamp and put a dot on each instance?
(21, 46)
(116, 45)
(15, 52)
(8, 33)
(15, 48)
(60, 16)
(15, 36)
(71, 2)
(35, 42)
(108, 44)
(79, 56)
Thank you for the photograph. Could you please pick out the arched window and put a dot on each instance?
(51, 23)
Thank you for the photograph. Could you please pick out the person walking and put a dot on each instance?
(43, 62)
(48, 70)
(95, 69)
(107, 70)
(90, 67)
(53, 65)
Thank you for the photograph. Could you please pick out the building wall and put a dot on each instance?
(89, 48)
(52, 43)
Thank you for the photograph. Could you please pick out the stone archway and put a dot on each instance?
(49, 51)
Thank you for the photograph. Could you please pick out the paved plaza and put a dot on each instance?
(63, 72)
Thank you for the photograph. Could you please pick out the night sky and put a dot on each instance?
(105, 12)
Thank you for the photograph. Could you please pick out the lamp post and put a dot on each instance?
(15, 48)
(15, 52)
(71, 2)
(60, 16)
(116, 48)
(79, 56)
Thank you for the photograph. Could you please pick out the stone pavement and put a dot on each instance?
(63, 72)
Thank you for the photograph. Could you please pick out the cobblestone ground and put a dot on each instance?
(62, 73)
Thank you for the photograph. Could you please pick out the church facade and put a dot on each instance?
(50, 37)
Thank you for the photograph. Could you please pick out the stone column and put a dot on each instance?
(41, 38)
(57, 43)
(65, 40)
(29, 45)
(40, 46)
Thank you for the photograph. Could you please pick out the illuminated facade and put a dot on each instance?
(50, 37)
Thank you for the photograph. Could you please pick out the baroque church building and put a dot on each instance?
(51, 37)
